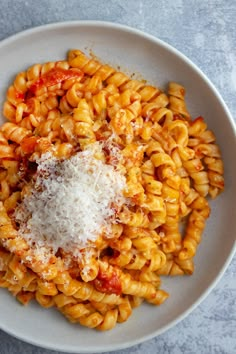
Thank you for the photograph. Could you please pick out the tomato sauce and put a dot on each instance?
(54, 77)
(19, 95)
(108, 283)
(28, 144)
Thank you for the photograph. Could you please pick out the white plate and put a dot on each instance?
(157, 62)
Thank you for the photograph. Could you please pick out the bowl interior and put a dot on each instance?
(158, 63)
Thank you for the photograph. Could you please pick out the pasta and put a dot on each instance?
(147, 168)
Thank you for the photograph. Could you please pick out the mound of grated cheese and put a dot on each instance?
(71, 203)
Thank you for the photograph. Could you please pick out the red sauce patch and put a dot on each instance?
(28, 144)
(19, 95)
(108, 283)
(54, 77)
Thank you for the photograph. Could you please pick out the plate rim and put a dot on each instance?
(114, 25)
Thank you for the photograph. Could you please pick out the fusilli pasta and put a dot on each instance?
(170, 163)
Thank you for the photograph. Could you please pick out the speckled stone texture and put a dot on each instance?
(205, 31)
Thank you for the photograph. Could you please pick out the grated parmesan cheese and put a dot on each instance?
(71, 203)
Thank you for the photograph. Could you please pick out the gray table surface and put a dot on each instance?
(205, 31)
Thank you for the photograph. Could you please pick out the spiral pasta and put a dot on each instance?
(170, 164)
